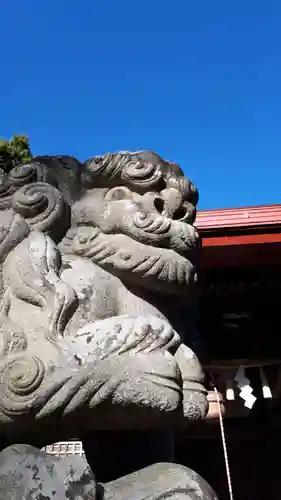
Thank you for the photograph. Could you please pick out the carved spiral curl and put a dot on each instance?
(132, 169)
(141, 174)
(20, 176)
(44, 208)
(20, 379)
(101, 171)
(151, 223)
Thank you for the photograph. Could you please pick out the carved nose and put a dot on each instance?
(173, 203)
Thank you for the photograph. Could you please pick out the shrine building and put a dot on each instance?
(239, 324)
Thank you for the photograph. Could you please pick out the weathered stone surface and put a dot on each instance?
(29, 474)
(160, 481)
(84, 323)
(95, 258)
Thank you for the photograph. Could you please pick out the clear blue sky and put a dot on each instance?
(197, 81)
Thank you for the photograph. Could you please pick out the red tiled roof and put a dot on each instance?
(266, 215)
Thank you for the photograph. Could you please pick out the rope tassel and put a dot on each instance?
(267, 394)
(229, 393)
(243, 383)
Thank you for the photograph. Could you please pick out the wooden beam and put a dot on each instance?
(244, 250)
(239, 218)
(242, 239)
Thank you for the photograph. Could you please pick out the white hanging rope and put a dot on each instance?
(228, 475)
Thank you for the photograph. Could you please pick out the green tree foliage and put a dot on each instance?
(14, 152)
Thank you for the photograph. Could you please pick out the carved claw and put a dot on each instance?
(195, 402)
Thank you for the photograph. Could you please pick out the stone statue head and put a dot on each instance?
(135, 219)
(131, 213)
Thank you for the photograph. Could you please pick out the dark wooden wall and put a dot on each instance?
(254, 459)
(239, 312)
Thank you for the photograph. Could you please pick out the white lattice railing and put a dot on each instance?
(65, 448)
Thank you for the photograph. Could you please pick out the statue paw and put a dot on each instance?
(195, 401)
(160, 481)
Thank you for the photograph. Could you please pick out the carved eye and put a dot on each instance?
(118, 193)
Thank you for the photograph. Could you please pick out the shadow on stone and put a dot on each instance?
(27, 473)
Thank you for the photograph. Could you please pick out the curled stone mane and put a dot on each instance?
(121, 231)
(142, 171)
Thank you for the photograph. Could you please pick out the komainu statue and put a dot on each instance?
(96, 262)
